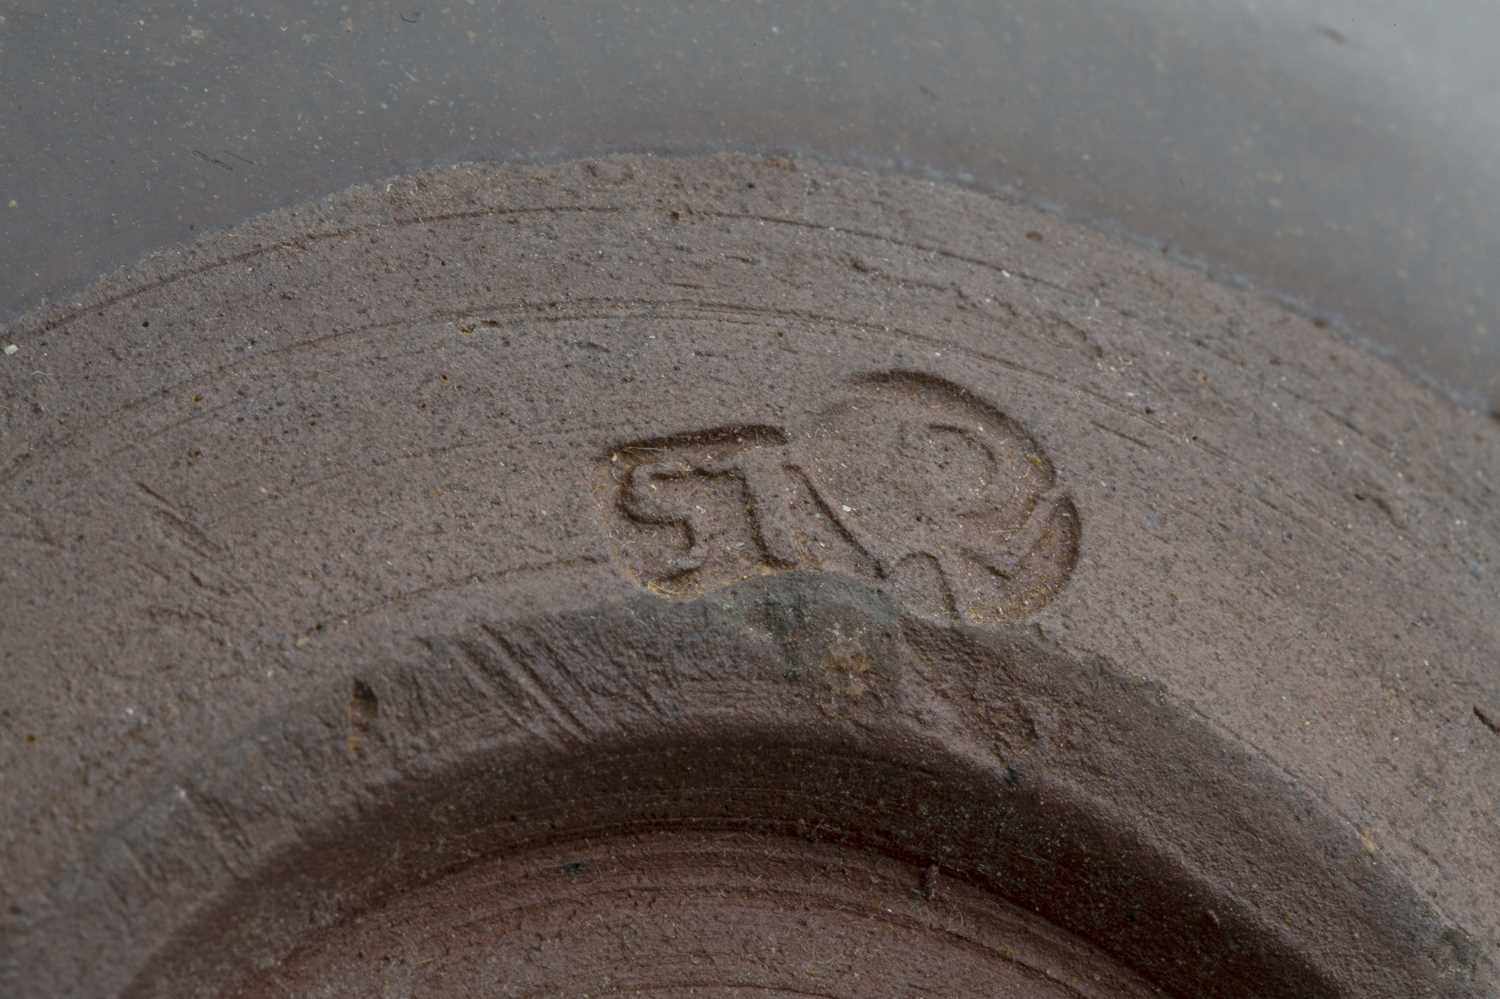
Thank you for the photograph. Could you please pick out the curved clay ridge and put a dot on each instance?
(1073, 792)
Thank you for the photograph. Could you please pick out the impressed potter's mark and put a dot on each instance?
(906, 480)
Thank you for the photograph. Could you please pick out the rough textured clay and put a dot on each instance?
(724, 577)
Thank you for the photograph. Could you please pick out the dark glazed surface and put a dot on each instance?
(1345, 153)
(314, 560)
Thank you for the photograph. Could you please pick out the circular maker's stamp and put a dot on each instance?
(905, 480)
